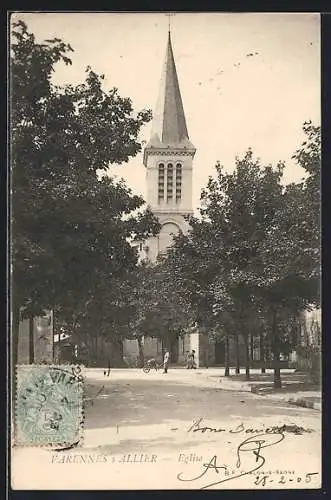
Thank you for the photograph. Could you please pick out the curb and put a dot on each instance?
(259, 391)
(305, 404)
(231, 387)
(302, 402)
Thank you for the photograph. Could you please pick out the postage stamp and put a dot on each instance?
(49, 405)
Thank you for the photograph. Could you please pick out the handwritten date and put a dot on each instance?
(266, 480)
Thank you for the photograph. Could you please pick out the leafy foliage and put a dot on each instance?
(252, 258)
(160, 309)
(71, 229)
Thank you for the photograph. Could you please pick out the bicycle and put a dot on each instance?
(151, 363)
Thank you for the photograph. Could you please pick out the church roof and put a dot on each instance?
(169, 125)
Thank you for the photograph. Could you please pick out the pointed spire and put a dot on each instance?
(169, 124)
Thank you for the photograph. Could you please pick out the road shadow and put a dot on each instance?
(301, 380)
(149, 402)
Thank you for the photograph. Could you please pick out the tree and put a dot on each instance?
(236, 212)
(71, 229)
(161, 311)
(308, 157)
(290, 255)
(250, 257)
(277, 256)
(107, 318)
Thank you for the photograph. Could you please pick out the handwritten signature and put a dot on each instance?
(240, 428)
(253, 445)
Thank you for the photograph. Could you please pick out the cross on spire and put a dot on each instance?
(169, 15)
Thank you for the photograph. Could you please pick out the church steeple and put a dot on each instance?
(168, 158)
(169, 129)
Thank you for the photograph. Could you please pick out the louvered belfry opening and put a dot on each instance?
(161, 183)
(178, 182)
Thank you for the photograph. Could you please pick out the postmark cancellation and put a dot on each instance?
(49, 405)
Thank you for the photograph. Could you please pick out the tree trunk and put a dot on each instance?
(227, 357)
(15, 329)
(96, 347)
(246, 340)
(95, 350)
(237, 355)
(262, 353)
(31, 340)
(53, 317)
(251, 339)
(276, 352)
(117, 352)
(141, 352)
(162, 346)
(121, 350)
(89, 348)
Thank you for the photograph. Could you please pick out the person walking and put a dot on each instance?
(193, 365)
(188, 359)
(166, 361)
(107, 372)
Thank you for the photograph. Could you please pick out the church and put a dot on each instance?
(168, 159)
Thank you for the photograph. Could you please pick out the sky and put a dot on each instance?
(246, 79)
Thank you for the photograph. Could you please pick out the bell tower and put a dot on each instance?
(168, 158)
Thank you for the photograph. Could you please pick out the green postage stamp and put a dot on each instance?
(49, 405)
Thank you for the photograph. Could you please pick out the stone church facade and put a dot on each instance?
(168, 159)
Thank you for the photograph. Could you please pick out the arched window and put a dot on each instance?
(178, 182)
(167, 233)
(161, 182)
(170, 181)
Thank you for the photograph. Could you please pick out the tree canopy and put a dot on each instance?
(253, 254)
(71, 227)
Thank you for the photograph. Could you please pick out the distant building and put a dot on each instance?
(312, 327)
(309, 341)
(142, 249)
(36, 342)
(63, 348)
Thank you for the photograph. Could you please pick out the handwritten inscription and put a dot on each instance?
(242, 429)
(252, 446)
(266, 480)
